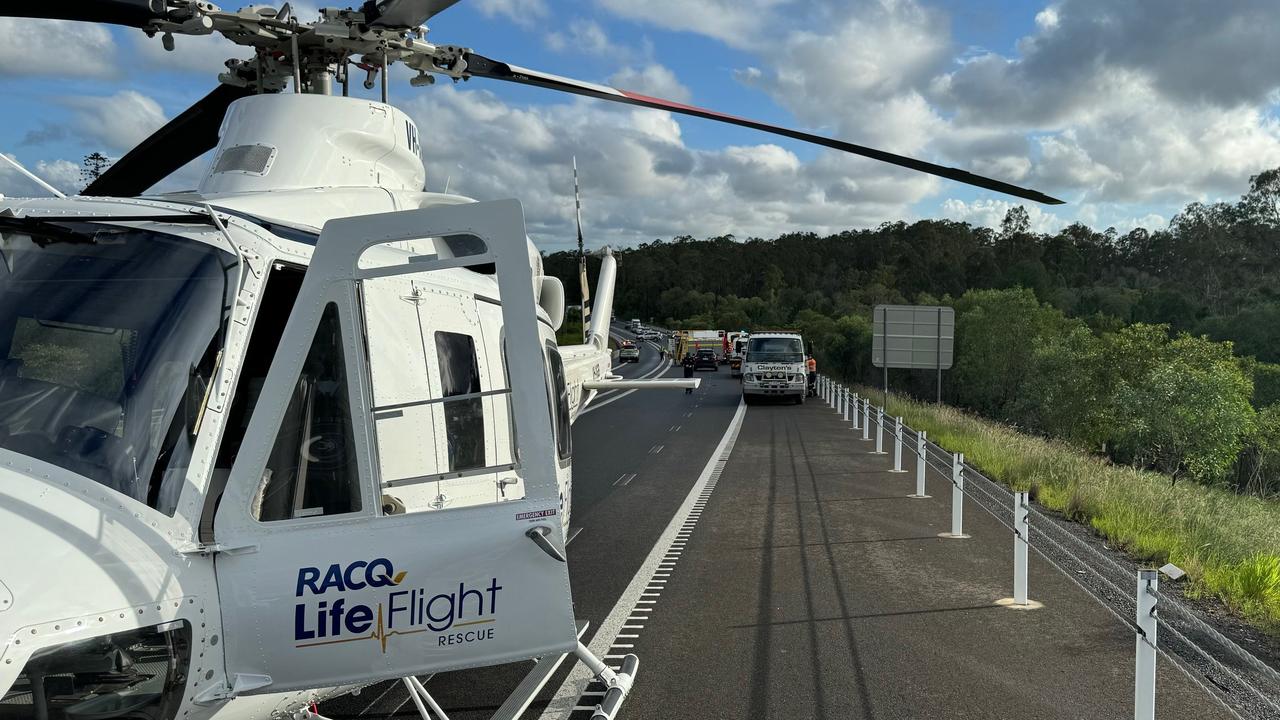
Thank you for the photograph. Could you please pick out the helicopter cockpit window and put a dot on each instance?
(560, 404)
(91, 379)
(312, 467)
(463, 405)
(133, 674)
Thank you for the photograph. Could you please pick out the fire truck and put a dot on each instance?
(691, 341)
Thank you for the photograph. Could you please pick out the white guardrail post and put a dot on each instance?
(922, 451)
(857, 405)
(846, 404)
(1144, 679)
(897, 446)
(957, 499)
(866, 419)
(879, 431)
(1020, 546)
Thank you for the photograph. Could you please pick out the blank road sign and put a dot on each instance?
(913, 336)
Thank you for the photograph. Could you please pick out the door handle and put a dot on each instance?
(540, 535)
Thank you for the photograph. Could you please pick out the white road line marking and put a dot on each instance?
(625, 609)
(629, 479)
(620, 477)
(656, 449)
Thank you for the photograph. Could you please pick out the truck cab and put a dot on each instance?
(774, 367)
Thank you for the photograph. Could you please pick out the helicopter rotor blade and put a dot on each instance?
(404, 13)
(131, 13)
(481, 66)
(180, 141)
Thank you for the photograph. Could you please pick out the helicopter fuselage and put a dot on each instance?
(124, 424)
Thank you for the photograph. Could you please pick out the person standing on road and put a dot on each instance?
(689, 363)
(812, 366)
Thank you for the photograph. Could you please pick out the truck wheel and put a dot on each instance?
(800, 400)
(748, 400)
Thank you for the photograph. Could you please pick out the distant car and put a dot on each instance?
(706, 359)
(629, 353)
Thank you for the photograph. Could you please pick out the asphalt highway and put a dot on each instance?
(765, 564)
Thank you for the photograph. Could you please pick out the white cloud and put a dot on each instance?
(986, 212)
(204, 54)
(1047, 19)
(62, 174)
(737, 23)
(990, 213)
(583, 36)
(522, 12)
(1138, 102)
(859, 75)
(56, 47)
(640, 181)
(652, 79)
(117, 122)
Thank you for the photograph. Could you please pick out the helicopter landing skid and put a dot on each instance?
(543, 668)
(618, 681)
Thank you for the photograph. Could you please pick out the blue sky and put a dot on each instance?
(1083, 99)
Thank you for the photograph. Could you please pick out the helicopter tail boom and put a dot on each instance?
(602, 310)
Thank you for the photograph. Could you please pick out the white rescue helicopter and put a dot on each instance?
(306, 427)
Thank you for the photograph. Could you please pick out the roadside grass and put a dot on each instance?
(1229, 544)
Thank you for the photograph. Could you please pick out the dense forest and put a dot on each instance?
(1160, 349)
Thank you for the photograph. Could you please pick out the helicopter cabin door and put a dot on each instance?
(375, 524)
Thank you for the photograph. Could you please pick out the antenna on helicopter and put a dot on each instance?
(582, 257)
(58, 193)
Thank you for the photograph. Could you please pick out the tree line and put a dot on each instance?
(1159, 348)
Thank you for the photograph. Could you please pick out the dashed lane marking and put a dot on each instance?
(631, 608)
(656, 449)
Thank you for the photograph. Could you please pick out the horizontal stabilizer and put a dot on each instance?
(663, 384)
